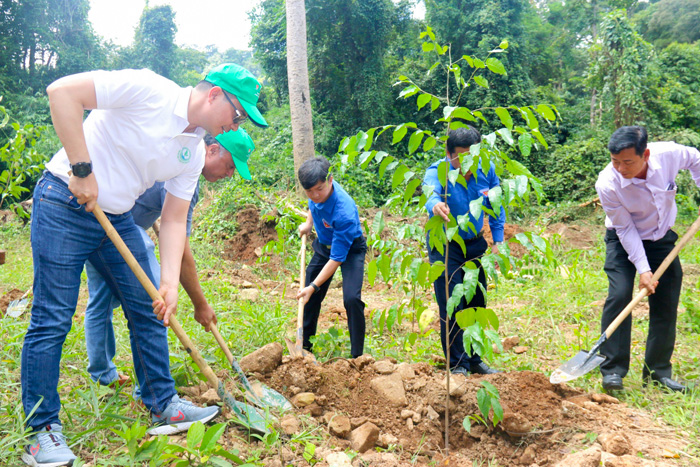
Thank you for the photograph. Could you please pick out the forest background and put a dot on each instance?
(601, 63)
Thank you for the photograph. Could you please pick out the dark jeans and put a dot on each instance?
(663, 306)
(475, 249)
(353, 269)
(63, 237)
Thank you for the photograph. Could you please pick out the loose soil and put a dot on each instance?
(252, 235)
(8, 297)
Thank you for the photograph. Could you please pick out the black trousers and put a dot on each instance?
(475, 249)
(663, 306)
(353, 269)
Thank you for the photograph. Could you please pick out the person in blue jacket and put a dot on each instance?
(456, 203)
(339, 243)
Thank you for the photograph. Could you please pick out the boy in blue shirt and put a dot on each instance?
(339, 243)
(457, 203)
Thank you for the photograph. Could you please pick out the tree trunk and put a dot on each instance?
(593, 106)
(298, 76)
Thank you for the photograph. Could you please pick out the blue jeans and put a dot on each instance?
(63, 237)
(99, 331)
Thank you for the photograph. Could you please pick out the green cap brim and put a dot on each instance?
(242, 167)
(253, 113)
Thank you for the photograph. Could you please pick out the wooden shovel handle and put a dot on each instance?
(155, 295)
(222, 343)
(657, 274)
(302, 284)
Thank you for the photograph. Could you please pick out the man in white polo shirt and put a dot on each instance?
(142, 129)
(637, 191)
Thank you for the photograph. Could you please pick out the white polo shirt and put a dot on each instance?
(135, 138)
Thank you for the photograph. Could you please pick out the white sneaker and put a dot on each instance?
(179, 415)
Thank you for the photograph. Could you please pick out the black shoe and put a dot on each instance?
(666, 382)
(459, 370)
(483, 369)
(612, 382)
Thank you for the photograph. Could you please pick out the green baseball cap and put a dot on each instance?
(241, 146)
(241, 83)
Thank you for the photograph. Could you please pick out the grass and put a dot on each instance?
(555, 312)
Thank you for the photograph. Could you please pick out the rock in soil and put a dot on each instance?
(210, 397)
(510, 342)
(615, 443)
(588, 458)
(303, 399)
(263, 360)
(290, 425)
(383, 367)
(339, 426)
(390, 388)
(364, 437)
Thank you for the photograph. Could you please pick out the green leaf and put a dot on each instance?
(478, 63)
(496, 199)
(469, 60)
(506, 135)
(411, 189)
(429, 143)
(447, 111)
(470, 280)
(428, 46)
(465, 318)
(436, 269)
(475, 207)
(423, 272)
(455, 299)
(409, 91)
(503, 45)
(546, 112)
(385, 163)
(497, 411)
(399, 133)
(464, 113)
(484, 402)
(384, 264)
(495, 66)
(539, 137)
(414, 141)
(378, 222)
(423, 100)
(397, 179)
(492, 318)
(195, 434)
(211, 437)
(530, 118)
(525, 144)
(434, 104)
(372, 272)
(467, 424)
(366, 158)
(481, 81)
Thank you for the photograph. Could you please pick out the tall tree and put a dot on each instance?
(622, 69)
(298, 75)
(154, 40)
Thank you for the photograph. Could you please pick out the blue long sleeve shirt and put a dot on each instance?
(337, 222)
(458, 199)
(149, 206)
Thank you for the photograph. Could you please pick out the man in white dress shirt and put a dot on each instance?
(637, 191)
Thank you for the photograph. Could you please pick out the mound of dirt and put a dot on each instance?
(542, 422)
(8, 297)
(253, 233)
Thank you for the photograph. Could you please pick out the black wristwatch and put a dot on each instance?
(81, 169)
(316, 288)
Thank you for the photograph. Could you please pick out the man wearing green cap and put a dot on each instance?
(225, 154)
(142, 128)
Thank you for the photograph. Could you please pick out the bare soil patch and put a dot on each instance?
(253, 233)
(7, 297)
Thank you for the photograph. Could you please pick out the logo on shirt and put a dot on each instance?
(326, 224)
(184, 155)
(485, 192)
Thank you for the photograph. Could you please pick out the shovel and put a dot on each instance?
(295, 349)
(17, 307)
(255, 393)
(247, 414)
(583, 362)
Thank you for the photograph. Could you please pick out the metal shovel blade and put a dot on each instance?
(263, 396)
(582, 363)
(247, 415)
(17, 307)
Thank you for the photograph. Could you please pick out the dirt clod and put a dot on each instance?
(586, 458)
(263, 360)
(615, 443)
(364, 437)
(391, 389)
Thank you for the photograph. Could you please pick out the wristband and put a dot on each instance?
(316, 288)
